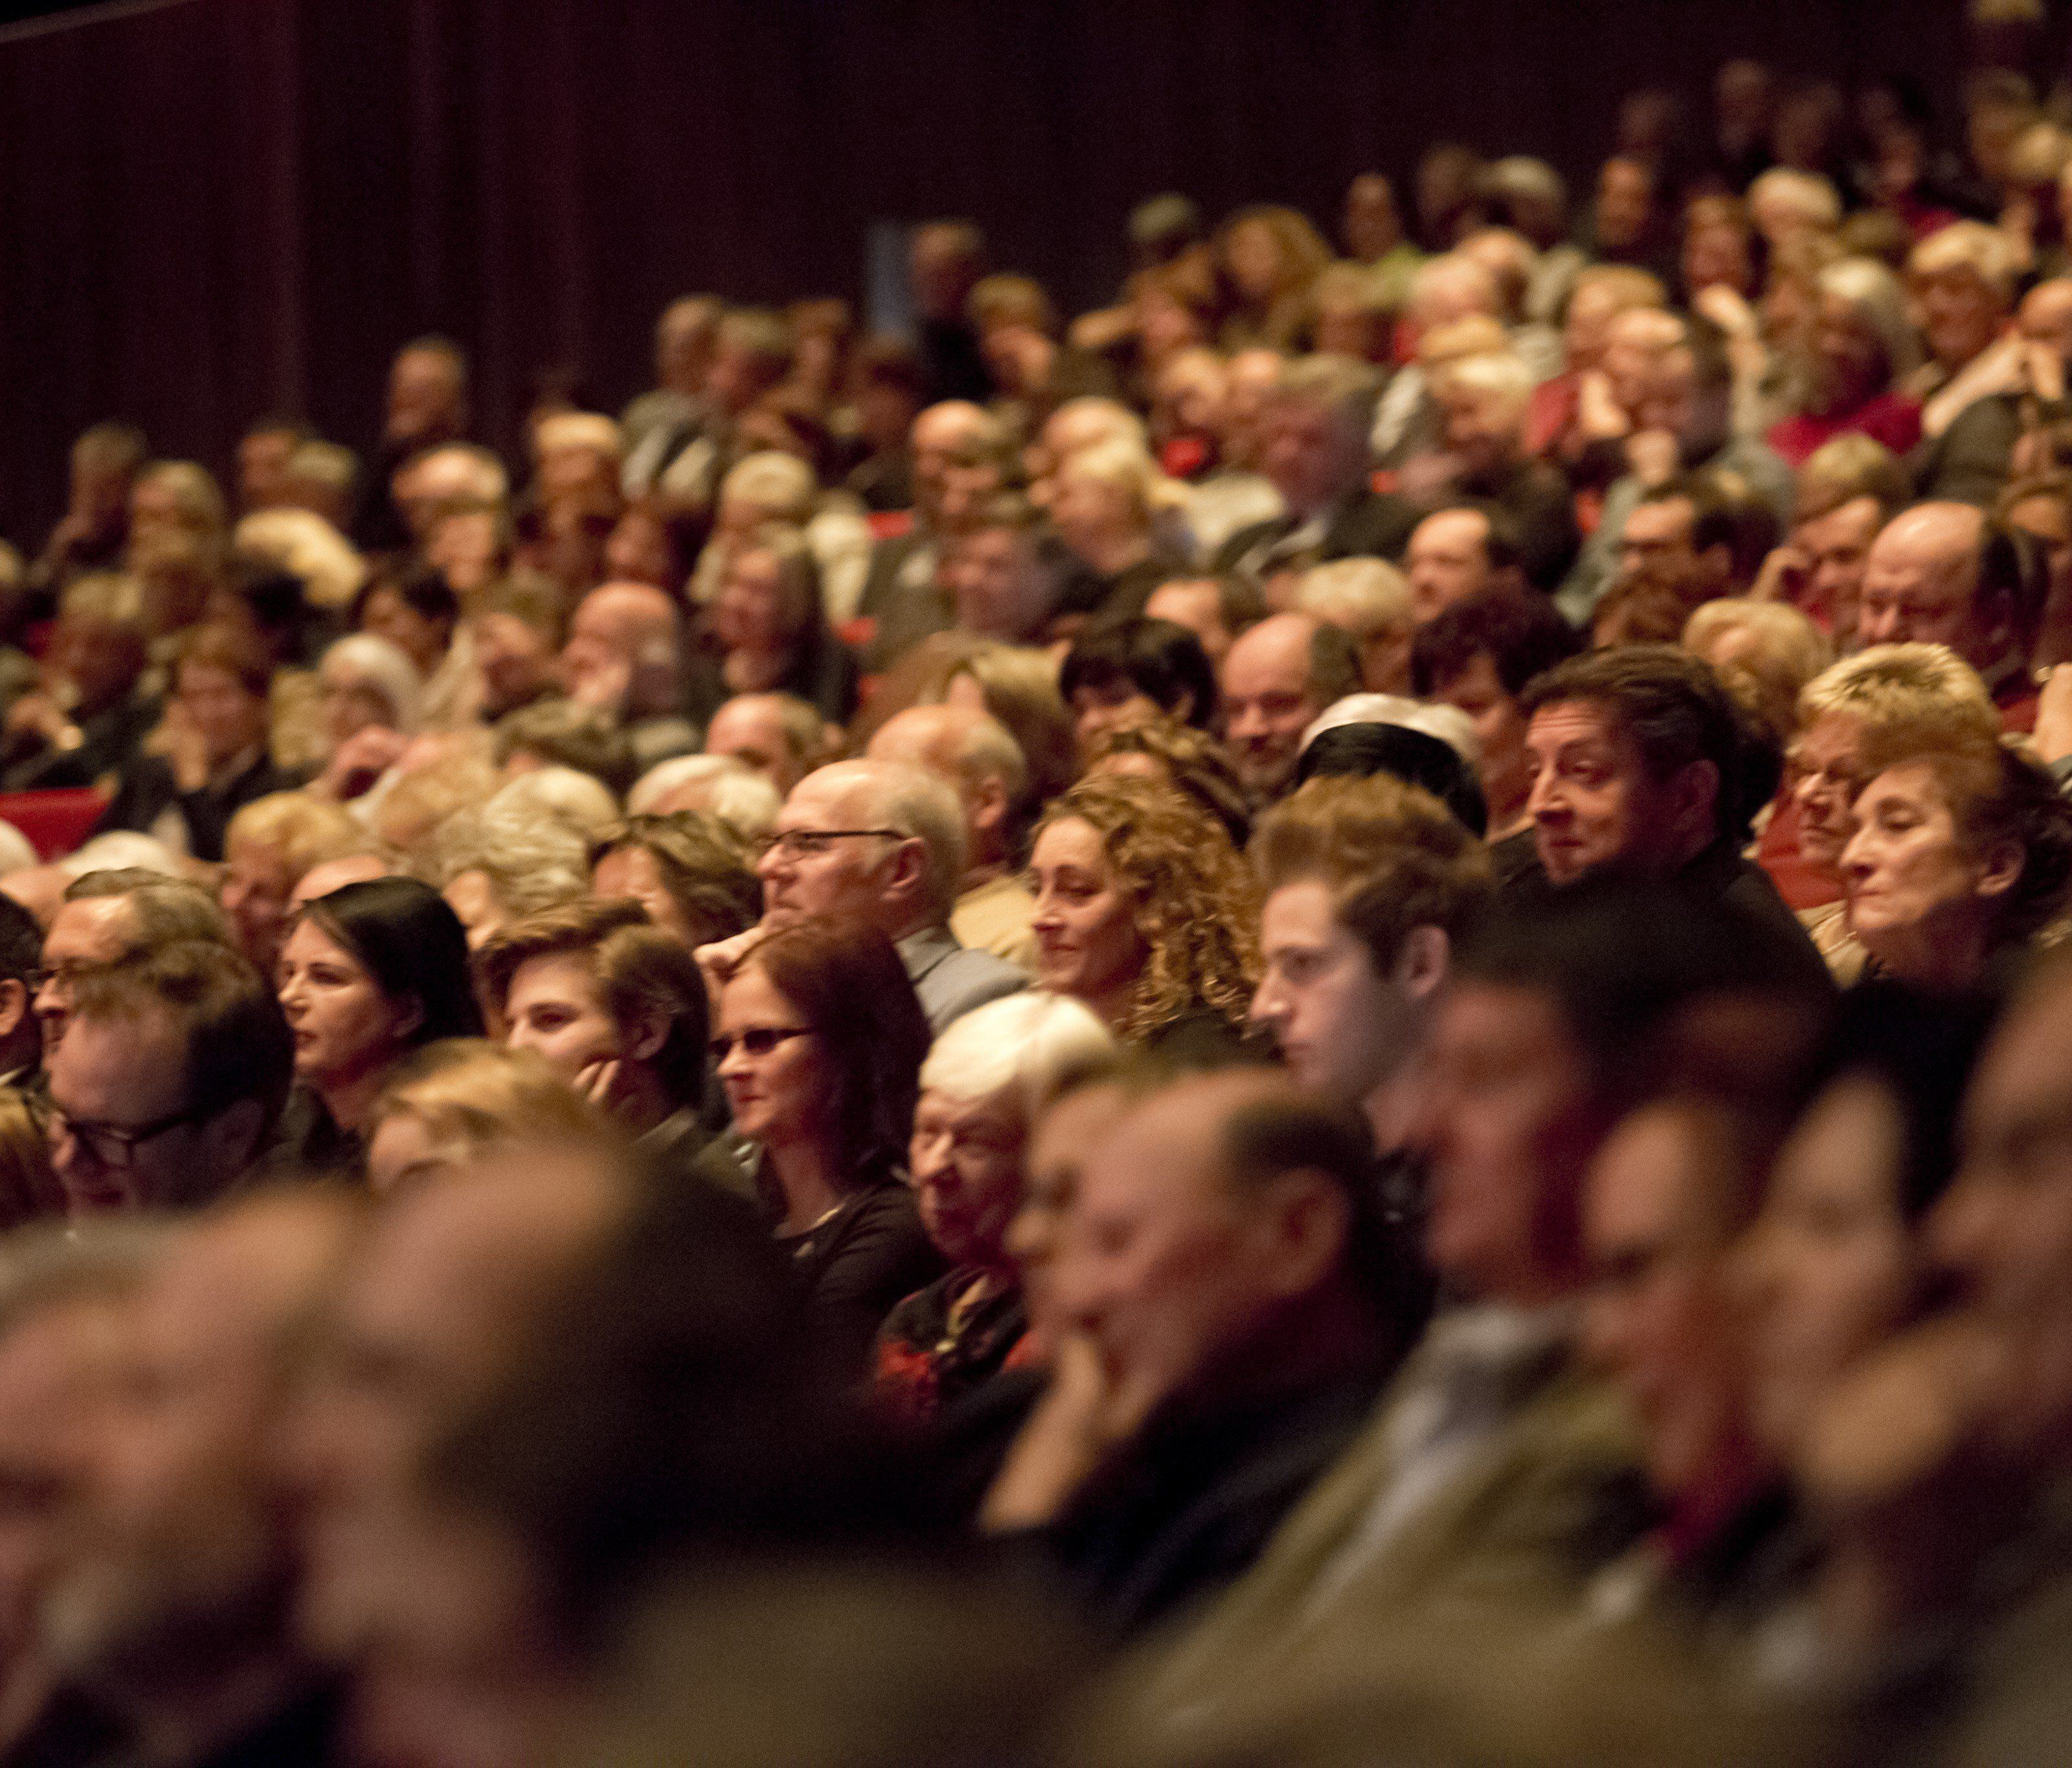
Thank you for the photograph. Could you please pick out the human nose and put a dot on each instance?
(1855, 861)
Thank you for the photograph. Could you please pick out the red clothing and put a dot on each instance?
(1801, 886)
(1553, 411)
(1891, 418)
(2018, 712)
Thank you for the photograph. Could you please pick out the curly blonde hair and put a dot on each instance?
(1194, 904)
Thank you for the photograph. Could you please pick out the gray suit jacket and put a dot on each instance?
(951, 979)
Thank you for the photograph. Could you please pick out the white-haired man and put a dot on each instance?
(881, 843)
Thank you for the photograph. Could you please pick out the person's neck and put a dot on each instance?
(979, 874)
(1313, 1341)
(1112, 554)
(1391, 1108)
(350, 1098)
(641, 1105)
(1944, 954)
(186, 1713)
(753, 670)
(1112, 1004)
(806, 1180)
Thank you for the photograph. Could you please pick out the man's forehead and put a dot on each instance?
(820, 800)
(89, 922)
(1575, 721)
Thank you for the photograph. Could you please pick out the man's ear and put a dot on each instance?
(1311, 1221)
(641, 1040)
(14, 1005)
(909, 863)
(234, 1134)
(1421, 962)
(988, 805)
(1695, 794)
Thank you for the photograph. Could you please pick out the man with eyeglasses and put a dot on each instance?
(165, 1089)
(881, 843)
(110, 914)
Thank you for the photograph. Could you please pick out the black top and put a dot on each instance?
(1084, 590)
(822, 673)
(1721, 874)
(859, 1261)
(109, 741)
(1184, 1511)
(308, 1144)
(148, 791)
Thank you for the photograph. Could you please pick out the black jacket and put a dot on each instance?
(1365, 525)
(147, 792)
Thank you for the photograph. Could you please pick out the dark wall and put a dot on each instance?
(234, 206)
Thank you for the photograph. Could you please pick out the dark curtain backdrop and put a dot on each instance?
(232, 207)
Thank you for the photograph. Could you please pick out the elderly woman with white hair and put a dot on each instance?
(369, 693)
(985, 1081)
(1863, 347)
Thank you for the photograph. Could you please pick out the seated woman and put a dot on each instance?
(690, 872)
(766, 631)
(1871, 697)
(1863, 348)
(1104, 502)
(1128, 671)
(1145, 912)
(986, 1079)
(456, 1101)
(370, 973)
(1962, 853)
(819, 1044)
(214, 760)
(370, 691)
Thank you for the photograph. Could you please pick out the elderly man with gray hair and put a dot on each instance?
(881, 843)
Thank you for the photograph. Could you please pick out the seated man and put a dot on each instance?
(217, 760)
(617, 1008)
(1495, 1470)
(1477, 655)
(1939, 575)
(1316, 453)
(1483, 400)
(777, 735)
(90, 720)
(1277, 678)
(1642, 767)
(64, 1330)
(1456, 552)
(624, 658)
(169, 1081)
(1227, 1309)
(112, 915)
(882, 843)
(1369, 884)
(976, 756)
(173, 1613)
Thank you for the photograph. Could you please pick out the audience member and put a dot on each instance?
(370, 972)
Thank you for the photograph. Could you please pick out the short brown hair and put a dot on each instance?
(640, 972)
(1392, 857)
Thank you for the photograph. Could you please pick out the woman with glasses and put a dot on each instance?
(819, 1044)
(372, 972)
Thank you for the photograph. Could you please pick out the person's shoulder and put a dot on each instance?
(1252, 535)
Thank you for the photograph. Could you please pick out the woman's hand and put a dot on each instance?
(186, 749)
(1786, 575)
(599, 1082)
(1598, 415)
(360, 760)
(2053, 736)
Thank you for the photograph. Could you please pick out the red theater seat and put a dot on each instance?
(55, 822)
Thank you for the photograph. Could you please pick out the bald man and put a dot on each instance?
(777, 735)
(900, 587)
(1972, 459)
(1223, 1289)
(882, 843)
(624, 658)
(1931, 578)
(1275, 679)
(978, 759)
